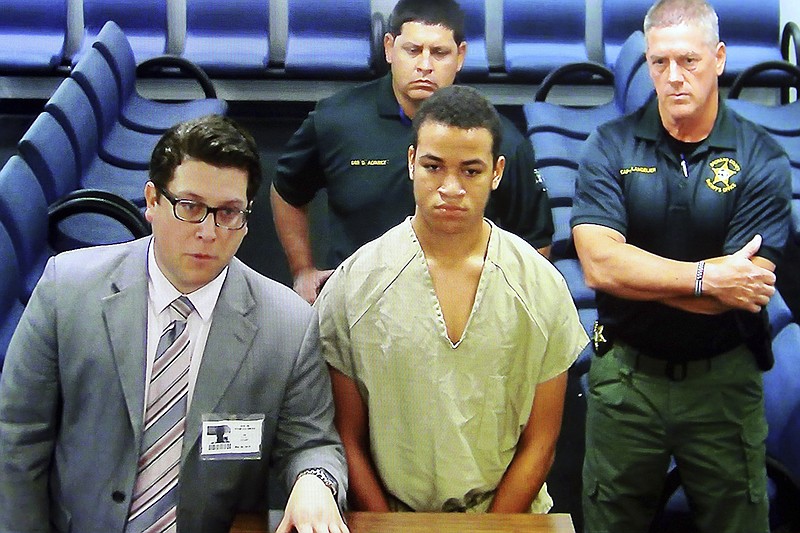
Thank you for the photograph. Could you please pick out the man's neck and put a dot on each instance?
(692, 129)
(408, 105)
(449, 248)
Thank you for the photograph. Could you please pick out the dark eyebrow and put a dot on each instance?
(473, 162)
(431, 156)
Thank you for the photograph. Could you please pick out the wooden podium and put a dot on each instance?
(425, 522)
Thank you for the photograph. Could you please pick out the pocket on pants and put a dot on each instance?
(754, 434)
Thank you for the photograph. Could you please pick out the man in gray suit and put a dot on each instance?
(128, 357)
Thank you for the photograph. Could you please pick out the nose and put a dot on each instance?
(207, 229)
(424, 62)
(675, 73)
(451, 187)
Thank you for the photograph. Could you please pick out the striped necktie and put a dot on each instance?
(155, 494)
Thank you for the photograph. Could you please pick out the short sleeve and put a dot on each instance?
(298, 173)
(763, 205)
(599, 196)
(333, 324)
(566, 337)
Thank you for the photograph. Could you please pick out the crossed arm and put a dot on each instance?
(741, 280)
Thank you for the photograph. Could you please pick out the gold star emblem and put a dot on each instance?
(597, 335)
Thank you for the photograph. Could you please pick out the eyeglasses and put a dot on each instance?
(196, 212)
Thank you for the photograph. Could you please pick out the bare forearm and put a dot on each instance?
(292, 227)
(635, 274)
(366, 491)
(523, 480)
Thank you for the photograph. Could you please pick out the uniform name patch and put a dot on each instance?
(724, 169)
(369, 162)
(641, 170)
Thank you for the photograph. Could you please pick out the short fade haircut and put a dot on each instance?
(213, 139)
(446, 13)
(667, 13)
(460, 107)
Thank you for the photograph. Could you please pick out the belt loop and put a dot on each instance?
(669, 370)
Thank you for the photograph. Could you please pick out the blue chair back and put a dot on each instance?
(72, 109)
(23, 212)
(751, 32)
(229, 36)
(10, 306)
(620, 19)
(782, 400)
(143, 21)
(32, 34)
(541, 35)
(329, 38)
(48, 151)
(476, 63)
(95, 76)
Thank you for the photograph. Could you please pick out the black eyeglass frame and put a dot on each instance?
(171, 198)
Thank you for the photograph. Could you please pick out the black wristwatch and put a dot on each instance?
(324, 476)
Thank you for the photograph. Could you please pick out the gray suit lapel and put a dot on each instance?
(125, 314)
(229, 341)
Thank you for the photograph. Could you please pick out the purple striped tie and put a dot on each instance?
(155, 494)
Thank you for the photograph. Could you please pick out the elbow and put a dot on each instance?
(594, 277)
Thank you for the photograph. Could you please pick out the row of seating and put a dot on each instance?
(330, 38)
(81, 168)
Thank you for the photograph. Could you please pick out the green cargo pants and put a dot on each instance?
(710, 420)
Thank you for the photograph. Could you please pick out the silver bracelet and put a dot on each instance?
(324, 476)
(698, 278)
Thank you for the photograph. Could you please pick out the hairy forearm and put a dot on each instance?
(292, 227)
(634, 274)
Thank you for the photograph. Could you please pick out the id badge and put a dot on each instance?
(231, 437)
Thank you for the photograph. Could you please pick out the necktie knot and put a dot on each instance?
(183, 306)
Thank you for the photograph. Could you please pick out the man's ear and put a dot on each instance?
(151, 199)
(388, 46)
(461, 54)
(721, 55)
(411, 155)
(499, 168)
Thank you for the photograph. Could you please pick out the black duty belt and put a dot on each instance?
(603, 339)
(674, 371)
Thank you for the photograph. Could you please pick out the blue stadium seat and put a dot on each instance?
(143, 114)
(227, 37)
(779, 313)
(23, 213)
(579, 122)
(72, 110)
(329, 38)
(541, 35)
(476, 62)
(144, 23)
(119, 145)
(752, 34)
(10, 305)
(32, 34)
(620, 19)
(46, 148)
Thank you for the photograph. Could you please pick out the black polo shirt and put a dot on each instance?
(737, 185)
(355, 145)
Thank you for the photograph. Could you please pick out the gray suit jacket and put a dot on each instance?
(72, 397)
